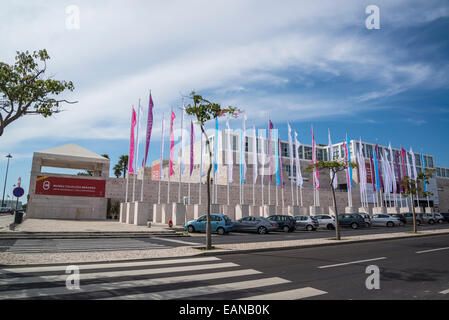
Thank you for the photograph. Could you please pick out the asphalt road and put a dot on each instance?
(120, 244)
(409, 268)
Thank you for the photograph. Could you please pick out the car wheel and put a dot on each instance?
(190, 229)
(330, 227)
(431, 221)
(309, 228)
(286, 229)
(390, 224)
(262, 230)
(418, 222)
(354, 225)
(221, 231)
(440, 221)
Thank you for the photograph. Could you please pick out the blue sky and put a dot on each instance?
(307, 62)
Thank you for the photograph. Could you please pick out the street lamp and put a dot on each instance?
(9, 156)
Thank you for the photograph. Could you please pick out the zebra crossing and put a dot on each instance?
(155, 279)
(82, 245)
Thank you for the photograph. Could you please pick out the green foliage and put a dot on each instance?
(335, 166)
(121, 167)
(411, 187)
(24, 90)
(205, 110)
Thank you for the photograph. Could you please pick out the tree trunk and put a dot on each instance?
(414, 215)
(337, 227)
(208, 229)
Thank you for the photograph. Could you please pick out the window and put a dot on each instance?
(369, 150)
(447, 173)
(246, 144)
(308, 153)
(443, 173)
(284, 149)
(300, 152)
(438, 172)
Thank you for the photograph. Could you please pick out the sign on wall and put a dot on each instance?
(59, 186)
(156, 172)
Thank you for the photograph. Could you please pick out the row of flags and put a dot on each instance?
(385, 170)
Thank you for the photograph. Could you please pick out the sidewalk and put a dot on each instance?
(45, 228)
(78, 257)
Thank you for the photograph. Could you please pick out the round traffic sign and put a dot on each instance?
(18, 192)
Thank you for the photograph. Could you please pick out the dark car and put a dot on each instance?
(400, 216)
(285, 223)
(6, 210)
(409, 217)
(353, 220)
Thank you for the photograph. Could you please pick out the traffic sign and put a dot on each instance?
(18, 192)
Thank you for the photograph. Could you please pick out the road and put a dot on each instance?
(413, 268)
(121, 244)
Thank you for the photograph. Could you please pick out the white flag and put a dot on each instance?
(161, 173)
(182, 165)
(299, 179)
(415, 174)
(254, 155)
(262, 152)
(393, 174)
(203, 155)
(229, 153)
(290, 150)
(331, 158)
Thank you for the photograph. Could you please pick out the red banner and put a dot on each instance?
(59, 186)
(156, 172)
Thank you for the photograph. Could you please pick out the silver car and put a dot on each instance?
(326, 221)
(385, 220)
(260, 225)
(306, 223)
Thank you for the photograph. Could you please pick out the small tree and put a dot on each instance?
(25, 91)
(412, 187)
(121, 167)
(333, 167)
(204, 111)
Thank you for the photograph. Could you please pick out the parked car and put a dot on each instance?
(428, 218)
(400, 216)
(218, 222)
(382, 220)
(353, 220)
(326, 221)
(308, 223)
(439, 217)
(409, 217)
(6, 210)
(285, 223)
(445, 215)
(260, 225)
(367, 218)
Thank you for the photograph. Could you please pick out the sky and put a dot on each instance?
(306, 62)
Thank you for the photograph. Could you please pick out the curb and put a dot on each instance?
(239, 251)
(15, 236)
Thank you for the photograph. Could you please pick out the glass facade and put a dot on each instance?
(307, 153)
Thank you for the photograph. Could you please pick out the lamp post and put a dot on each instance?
(9, 156)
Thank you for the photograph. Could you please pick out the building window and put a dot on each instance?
(439, 172)
(307, 153)
(284, 149)
(418, 160)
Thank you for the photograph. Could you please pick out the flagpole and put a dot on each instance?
(127, 173)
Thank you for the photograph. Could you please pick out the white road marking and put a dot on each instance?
(353, 262)
(205, 290)
(432, 250)
(109, 274)
(294, 294)
(115, 264)
(40, 292)
(176, 241)
(445, 291)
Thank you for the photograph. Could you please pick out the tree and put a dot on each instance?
(334, 167)
(25, 90)
(204, 111)
(121, 167)
(412, 187)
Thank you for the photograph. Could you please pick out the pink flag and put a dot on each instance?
(131, 144)
(270, 149)
(348, 180)
(172, 144)
(314, 160)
